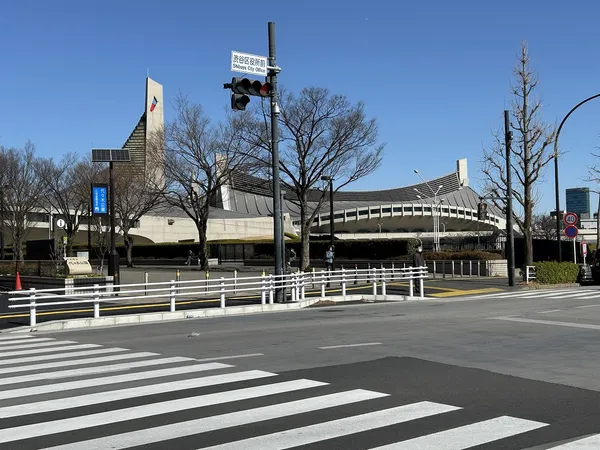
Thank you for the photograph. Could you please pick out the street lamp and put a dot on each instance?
(434, 212)
(331, 221)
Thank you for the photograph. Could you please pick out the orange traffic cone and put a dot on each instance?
(18, 286)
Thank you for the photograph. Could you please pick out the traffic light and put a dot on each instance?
(242, 88)
(481, 211)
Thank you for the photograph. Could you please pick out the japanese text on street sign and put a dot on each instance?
(247, 63)
(99, 199)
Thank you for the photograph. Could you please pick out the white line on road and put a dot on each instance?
(220, 422)
(549, 322)
(469, 435)
(150, 410)
(71, 373)
(9, 337)
(20, 341)
(364, 344)
(66, 355)
(36, 351)
(97, 398)
(219, 358)
(587, 306)
(588, 443)
(549, 311)
(114, 379)
(337, 428)
(32, 344)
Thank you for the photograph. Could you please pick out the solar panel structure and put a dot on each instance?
(108, 155)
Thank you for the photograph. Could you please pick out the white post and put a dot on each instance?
(271, 289)
(374, 281)
(383, 291)
(313, 277)
(263, 292)
(470, 268)
(434, 268)
(96, 301)
(478, 268)
(302, 286)
(421, 288)
(145, 283)
(222, 292)
(32, 318)
(293, 286)
(410, 285)
(461, 268)
(393, 269)
(527, 274)
(574, 250)
(344, 283)
(452, 265)
(322, 284)
(172, 296)
(235, 282)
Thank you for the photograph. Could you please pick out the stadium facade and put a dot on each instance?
(244, 208)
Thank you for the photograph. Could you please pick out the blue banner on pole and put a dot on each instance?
(100, 199)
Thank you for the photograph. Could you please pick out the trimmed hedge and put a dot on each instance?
(553, 272)
(473, 255)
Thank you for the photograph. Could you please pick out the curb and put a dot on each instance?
(133, 319)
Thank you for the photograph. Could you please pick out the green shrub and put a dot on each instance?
(552, 272)
(466, 255)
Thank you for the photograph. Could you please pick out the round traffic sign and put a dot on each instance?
(570, 218)
(60, 223)
(571, 231)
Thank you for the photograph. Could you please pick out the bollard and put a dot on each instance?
(410, 286)
(383, 290)
(313, 277)
(235, 282)
(302, 287)
(343, 283)
(478, 269)
(271, 289)
(263, 293)
(322, 284)
(393, 269)
(145, 283)
(374, 281)
(452, 267)
(461, 268)
(96, 301)
(421, 288)
(32, 318)
(470, 268)
(293, 287)
(434, 269)
(172, 296)
(177, 278)
(222, 292)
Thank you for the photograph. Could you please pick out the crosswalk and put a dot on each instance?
(71, 396)
(574, 293)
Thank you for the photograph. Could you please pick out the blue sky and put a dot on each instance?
(435, 74)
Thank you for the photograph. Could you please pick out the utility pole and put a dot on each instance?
(510, 241)
(277, 216)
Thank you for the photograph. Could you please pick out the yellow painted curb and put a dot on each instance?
(457, 292)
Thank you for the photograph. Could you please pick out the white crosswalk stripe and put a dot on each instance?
(581, 294)
(47, 404)
(588, 443)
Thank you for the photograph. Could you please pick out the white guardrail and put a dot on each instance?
(262, 287)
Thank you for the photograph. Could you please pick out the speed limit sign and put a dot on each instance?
(570, 218)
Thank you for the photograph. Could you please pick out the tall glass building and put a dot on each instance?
(578, 201)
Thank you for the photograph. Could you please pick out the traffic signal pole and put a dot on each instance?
(277, 212)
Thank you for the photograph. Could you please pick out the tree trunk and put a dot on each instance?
(128, 240)
(304, 234)
(202, 225)
(527, 225)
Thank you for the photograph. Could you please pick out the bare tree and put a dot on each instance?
(135, 196)
(321, 135)
(544, 226)
(64, 193)
(198, 157)
(531, 151)
(22, 190)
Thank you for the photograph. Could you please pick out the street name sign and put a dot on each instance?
(100, 199)
(248, 63)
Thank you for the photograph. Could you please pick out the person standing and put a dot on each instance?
(329, 255)
(418, 260)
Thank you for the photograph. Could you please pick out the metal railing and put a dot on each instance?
(529, 274)
(263, 287)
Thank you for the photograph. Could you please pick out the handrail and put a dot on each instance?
(263, 286)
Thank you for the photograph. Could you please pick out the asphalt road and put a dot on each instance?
(507, 370)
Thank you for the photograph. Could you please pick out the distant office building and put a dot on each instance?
(578, 202)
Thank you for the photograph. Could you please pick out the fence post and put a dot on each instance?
(374, 281)
(355, 273)
(172, 296)
(177, 278)
(470, 268)
(293, 286)
(322, 284)
(421, 287)
(461, 268)
(434, 268)
(478, 268)
(303, 286)
(344, 283)
(235, 282)
(313, 277)
(32, 318)
(271, 289)
(222, 292)
(145, 283)
(96, 301)
(263, 290)
(393, 268)
(383, 290)
(410, 284)
(207, 276)
(452, 266)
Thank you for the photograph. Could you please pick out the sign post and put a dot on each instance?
(584, 250)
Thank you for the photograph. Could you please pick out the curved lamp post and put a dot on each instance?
(556, 189)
